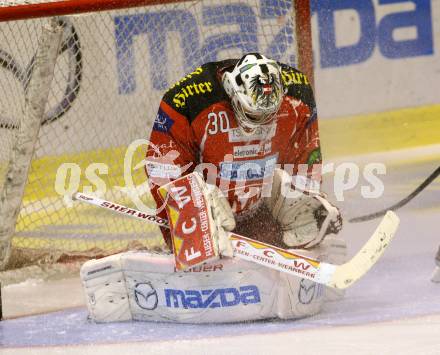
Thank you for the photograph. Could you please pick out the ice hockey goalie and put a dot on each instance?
(234, 147)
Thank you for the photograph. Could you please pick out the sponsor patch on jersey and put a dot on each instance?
(261, 133)
(248, 170)
(290, 77)
(179, 99)
(252, 150)
(161, 170)
(212, 298)
(163, 122)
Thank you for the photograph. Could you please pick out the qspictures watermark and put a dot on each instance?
(251, 179)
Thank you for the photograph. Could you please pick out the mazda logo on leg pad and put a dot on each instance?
(145, 296)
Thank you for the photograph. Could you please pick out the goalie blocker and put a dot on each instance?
(200, 218)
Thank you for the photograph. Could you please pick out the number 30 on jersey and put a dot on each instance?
(218, 122)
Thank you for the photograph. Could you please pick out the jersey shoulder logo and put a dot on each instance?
(163, 122)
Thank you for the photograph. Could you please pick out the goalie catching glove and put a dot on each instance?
(305, 219)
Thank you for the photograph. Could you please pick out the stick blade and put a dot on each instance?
(346, 274)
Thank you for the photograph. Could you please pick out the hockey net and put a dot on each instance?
(112, 67)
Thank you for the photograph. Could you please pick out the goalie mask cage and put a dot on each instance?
(67, 118)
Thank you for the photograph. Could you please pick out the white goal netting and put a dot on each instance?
(112, 69)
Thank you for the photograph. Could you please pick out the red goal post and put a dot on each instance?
(107, 83)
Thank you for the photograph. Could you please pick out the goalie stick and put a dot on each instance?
(336, 276)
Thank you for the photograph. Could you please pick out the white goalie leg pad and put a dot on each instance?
(146, 287)
(227, 290)
(297, 297)
(104, 287)
(302, 297)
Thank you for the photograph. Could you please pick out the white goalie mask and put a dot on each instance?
(255, 89)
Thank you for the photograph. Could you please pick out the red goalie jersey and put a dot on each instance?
(196, 129)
